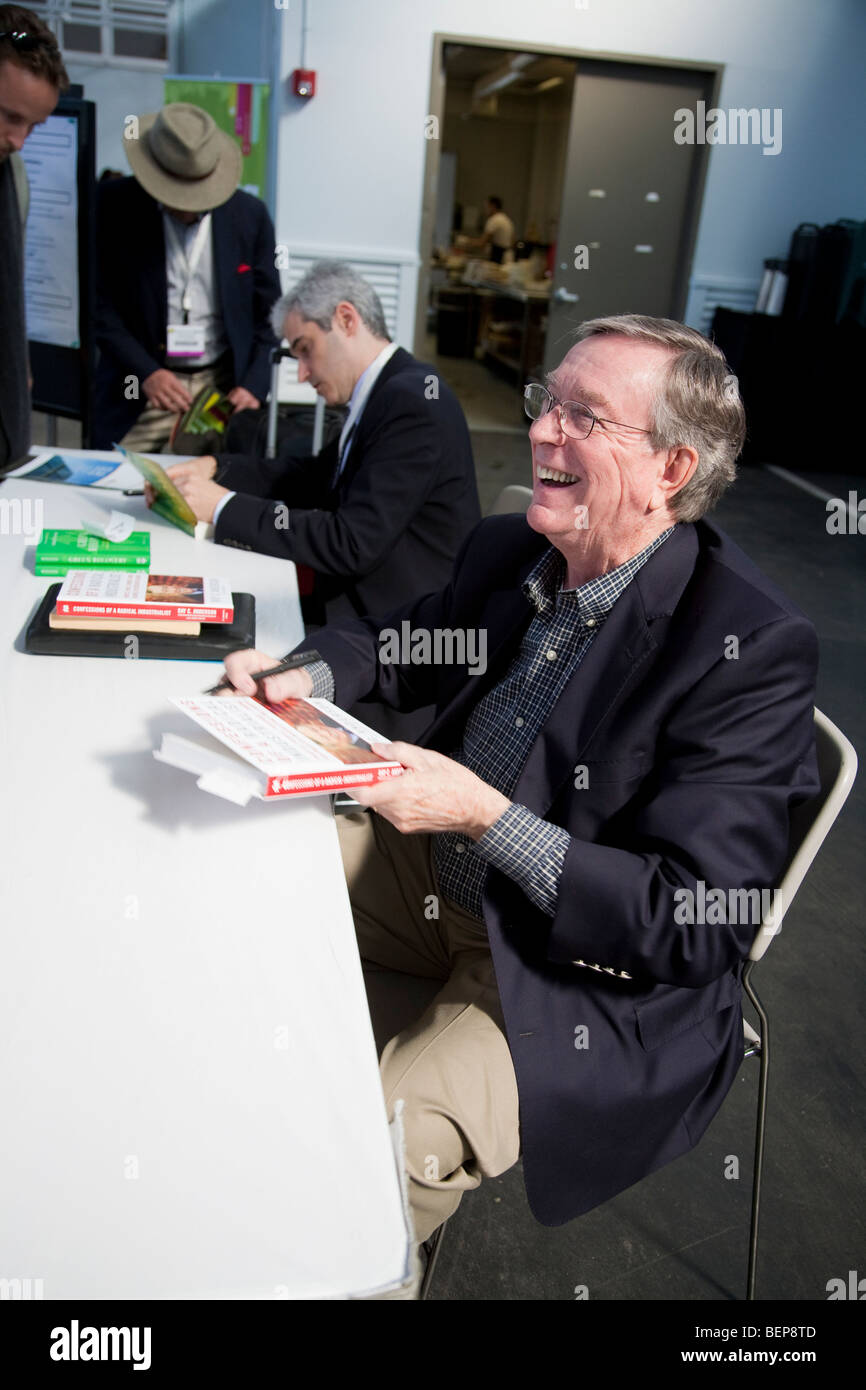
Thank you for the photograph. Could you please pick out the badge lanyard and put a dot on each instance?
(191, 261)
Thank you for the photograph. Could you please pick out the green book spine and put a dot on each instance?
(128, 559)
(54, 565)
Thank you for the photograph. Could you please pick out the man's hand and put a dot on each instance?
(192, 480)
(290, 685)
(435, 793)
(242, 399)
(202, 468)
(165, 392)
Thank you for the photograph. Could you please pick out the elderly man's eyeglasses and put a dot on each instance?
(25, 43)
(575, 420)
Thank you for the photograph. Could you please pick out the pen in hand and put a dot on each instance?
(288, 663)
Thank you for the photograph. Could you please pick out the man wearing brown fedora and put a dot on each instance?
(185, 280)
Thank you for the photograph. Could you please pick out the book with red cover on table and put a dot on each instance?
(127, 594)
(297, 748)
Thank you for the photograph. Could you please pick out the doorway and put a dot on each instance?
(603, 201)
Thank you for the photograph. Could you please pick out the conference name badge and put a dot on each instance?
(185, 340)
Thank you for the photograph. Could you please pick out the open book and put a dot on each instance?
(167, 502)
(292, 748)
(210, 411)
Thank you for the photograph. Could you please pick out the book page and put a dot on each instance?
(290, 737)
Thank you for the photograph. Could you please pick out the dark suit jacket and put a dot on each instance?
(390, 527)
(132, 296)
(692, 761)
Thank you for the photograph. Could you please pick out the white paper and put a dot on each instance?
(118, 526)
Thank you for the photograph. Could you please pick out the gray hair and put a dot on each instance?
(698, 405)
(325, 285)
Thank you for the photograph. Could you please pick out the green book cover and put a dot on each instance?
(57, 552)
(209, 411)
(167, 502)
(90, 549)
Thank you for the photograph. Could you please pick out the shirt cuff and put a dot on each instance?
(323, 680)
(219, 506)
(529, 850)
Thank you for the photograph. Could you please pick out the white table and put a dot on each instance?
(189, 1092)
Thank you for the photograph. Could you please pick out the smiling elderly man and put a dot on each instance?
(642, 729)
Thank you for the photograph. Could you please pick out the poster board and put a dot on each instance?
(60, 158)
(242, 110)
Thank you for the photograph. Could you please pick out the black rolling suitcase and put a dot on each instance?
(841, 264)
(827, 267)
(802, 258)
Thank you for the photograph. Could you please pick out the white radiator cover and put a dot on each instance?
(394, 277)
(707, 292)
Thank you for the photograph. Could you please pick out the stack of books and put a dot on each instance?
(58, 552)
(128, 601)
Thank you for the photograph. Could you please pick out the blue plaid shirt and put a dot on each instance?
(504, 724)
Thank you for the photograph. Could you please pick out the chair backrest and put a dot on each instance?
(811, 822)
(513, 498)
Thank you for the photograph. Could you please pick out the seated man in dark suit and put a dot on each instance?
(185, 280)
(380, 514)
(579, 851)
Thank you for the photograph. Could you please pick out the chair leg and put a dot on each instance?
(433, 1245)
(759, 1128)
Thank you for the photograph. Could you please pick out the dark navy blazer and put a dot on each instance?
(391, 525)
(132, 296)
(693, 759)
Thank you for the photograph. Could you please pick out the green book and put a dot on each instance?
(59, 551)
(167, 501)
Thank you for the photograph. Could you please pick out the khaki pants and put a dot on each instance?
(151, 431)
(452, 1067)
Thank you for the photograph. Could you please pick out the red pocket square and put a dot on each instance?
(242, 268)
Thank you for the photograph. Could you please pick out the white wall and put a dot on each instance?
(118, 93)
(350, 161)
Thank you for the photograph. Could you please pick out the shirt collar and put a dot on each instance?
(592, 600)
(373, 370)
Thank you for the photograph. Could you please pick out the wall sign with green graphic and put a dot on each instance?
(241, 109)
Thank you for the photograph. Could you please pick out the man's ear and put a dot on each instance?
(678, 469)
(347, 318)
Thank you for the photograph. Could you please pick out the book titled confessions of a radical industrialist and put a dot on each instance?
(290, 748)
(130, 594)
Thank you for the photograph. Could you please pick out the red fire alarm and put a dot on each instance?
(304, 82)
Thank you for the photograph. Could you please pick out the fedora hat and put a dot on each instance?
(183, 159)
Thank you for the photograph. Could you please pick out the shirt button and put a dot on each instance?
(590, 622)
(518, 723)
(458, 849)
(551, 655)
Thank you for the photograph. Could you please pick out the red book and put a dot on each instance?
(127, 594)
(292, 748)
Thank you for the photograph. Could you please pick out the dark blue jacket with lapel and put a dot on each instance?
(391, 525)
(693, 758)
(132, 296)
